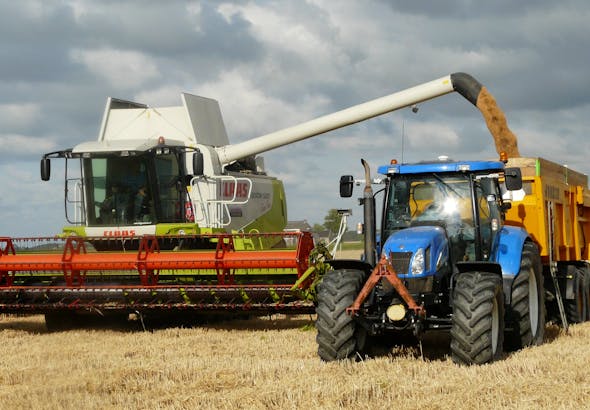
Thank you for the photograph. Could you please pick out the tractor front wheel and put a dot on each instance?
(477, 330)
(339, 336)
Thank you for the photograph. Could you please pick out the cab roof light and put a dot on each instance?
(503, 157)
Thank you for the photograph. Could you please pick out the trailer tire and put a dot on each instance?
(576, 308)
(477, 330)
(338, 335)
(526, 314)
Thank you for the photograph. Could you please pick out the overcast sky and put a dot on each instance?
(272, 64)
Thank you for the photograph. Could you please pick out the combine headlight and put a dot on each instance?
(418, 264)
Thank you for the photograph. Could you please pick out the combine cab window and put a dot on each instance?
(169, 188)
(118, 191)
(133, 190)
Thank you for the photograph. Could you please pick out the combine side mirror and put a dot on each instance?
(513, 178)
(45, 169)
(346, 185)
(198, 166)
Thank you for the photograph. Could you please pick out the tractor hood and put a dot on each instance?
(417, 251)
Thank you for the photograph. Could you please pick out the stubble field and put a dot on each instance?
(271, 362)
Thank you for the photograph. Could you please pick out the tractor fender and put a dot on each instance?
(508, 251)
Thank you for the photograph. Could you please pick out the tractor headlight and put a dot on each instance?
(418, 262)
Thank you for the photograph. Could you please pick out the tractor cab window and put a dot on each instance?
(488, 199)
(432, 199)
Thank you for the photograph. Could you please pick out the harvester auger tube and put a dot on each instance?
(463, 83)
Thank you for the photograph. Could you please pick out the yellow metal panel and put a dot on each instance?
(544, 182)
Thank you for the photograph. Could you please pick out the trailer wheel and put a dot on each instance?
(338, 335)
(587, 292)
(477, 330)
(526, 314)
(575, 308)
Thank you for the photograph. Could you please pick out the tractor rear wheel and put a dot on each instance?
(477, 330)
(575, 309)
(339, 336)
(526, 313)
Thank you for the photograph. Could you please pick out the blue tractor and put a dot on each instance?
(446, 261)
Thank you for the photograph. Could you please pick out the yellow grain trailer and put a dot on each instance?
(555, 210)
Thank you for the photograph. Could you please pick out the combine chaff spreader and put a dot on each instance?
(164, 213)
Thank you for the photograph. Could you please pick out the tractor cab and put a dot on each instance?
(466, 208)
(439, 214)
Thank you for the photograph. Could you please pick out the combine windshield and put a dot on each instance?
(132, 190)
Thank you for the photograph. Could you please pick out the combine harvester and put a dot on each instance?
(166, 215)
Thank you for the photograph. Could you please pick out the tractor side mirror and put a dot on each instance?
(198, 163)
(346, 185)
(513, 178)
(45, 169)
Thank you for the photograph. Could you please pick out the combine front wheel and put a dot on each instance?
(477, 330)
(338, 337)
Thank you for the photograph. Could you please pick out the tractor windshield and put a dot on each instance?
(132, 190)
(431, 199)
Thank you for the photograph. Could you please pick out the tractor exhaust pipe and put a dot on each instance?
(369, 218)
(463, 83)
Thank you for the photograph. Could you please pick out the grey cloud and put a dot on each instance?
(323, 56)
(461, 9)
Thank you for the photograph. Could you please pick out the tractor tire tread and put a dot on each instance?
(471, 336)
(336, 330)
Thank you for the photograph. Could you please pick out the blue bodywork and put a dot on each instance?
(431, 239)
(508, 251)
(460, 166)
